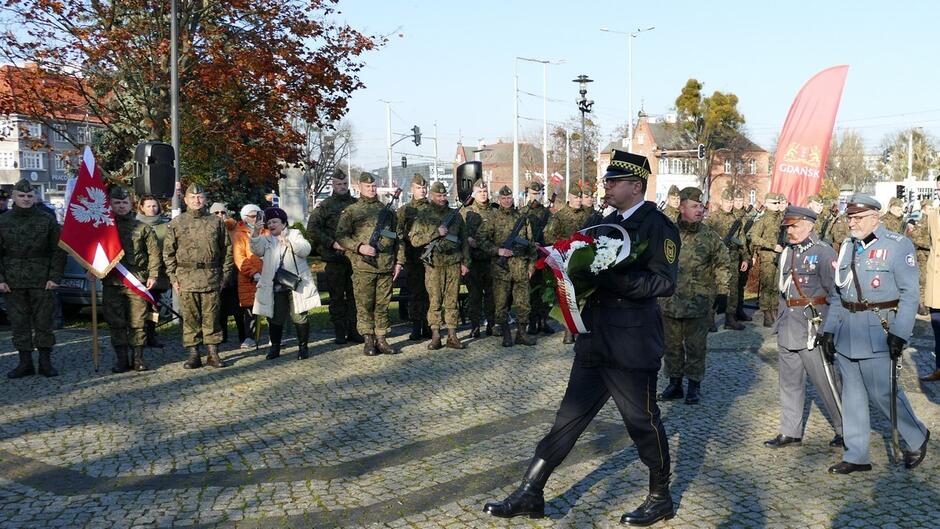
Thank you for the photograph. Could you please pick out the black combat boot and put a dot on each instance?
(415, 331)
(45, 363)
(354, 336)
(711, 317)
(507, 335)
(435, 342)
(340, 334)
(121, 364)
(276, 332)
(742, 315)
(474, 329)
(425, 329)
(303, 338)
(195, 358)
(489, 328)
(212, 357)
(673, 391)
(522, 337)
(150, 329)
(368, 347)
(381, 344)
(25, 367)
(731, 322)
(527, 500)
(657, 505)
(545, 327)
(692, 396)
(139, 364)
(533, 327)
(569, 338)
(452, 341)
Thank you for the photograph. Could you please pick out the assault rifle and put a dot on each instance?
(750, 222)
(513, 240)
(427, 257)
(381, 230)
(729, 237)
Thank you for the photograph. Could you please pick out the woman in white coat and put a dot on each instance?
(286, 248)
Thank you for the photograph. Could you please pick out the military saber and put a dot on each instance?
(812, 327)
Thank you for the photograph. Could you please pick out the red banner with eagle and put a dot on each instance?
(803, 145)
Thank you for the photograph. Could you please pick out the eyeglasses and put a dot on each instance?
(860, 217)
(220, 213)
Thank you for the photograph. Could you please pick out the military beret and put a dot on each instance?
(23, 186)
(505, 191)
(691, 193)
(814, 198)
(673, 191)
(480, 183)
(575, 189)
(418, 180)
(771, 197)
(195, 189)
(859, 202)
(438, 187)
(625, 164)
(739, 194)
(119, 192)
(217, 207)
(366, 178)
(275, 213)
(796, 213)
(895, 201)
(535, 186)
(727, 194)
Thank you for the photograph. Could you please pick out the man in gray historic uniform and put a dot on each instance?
(806, 292)
(877, 280)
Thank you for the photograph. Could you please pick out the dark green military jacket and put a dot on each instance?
(539, 216)
(452, 249)
(765, 234)
(158, 223)
(321, 226)
(141, 251)
(671, 212)
(703, 271)
(197, 252)
(29, 248)
(893, 223)
(406, 218)
(492, 235)
(563, 223)
(722, 221)
(474, 216)
(355, 227)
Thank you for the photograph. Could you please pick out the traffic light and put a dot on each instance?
(417, 134)
(900, 192)
(701, 151)
(404, 161)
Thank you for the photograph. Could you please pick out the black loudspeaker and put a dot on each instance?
(464, 176)
(154, 169)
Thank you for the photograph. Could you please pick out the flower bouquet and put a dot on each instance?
(569, 270)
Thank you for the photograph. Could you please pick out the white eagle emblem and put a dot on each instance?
(93, 209)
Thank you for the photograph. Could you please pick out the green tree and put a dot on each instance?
(846, 164)
(713, 121)
(895, 147)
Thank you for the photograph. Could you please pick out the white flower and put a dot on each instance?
(604, 257)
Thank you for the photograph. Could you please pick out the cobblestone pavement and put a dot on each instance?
(420, 440)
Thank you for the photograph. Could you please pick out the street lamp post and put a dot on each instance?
(630, 36)
(584, 105)
(544, 63)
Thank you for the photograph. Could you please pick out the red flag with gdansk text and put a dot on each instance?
(803, 145)
(89, 232)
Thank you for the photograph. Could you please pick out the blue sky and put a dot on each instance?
(453, 64)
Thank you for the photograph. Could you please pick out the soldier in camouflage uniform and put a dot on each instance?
(703, 274)
(740, 212)
(893, 219)
(920, 236)
(373, 284)
(765, 240)
(321, 228)
(520, 260)
(563, 223)
(417, 295)
(539, 216)
(839, 231)
(149, 212)
(125, 311)
(723, 221)
(449, 263)
(31, 266)
(587, 203)
(197, 252)
(672, 204)
(480, 278)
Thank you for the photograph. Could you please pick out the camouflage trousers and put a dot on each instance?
(373, 294)
(30, 313)
(685, 346)
(338, 275)
(734, 294)
(200, 311)
(769, 289)
(125, 313)
(480, 286)
(519, 290)
(922, 269)
(442, 282)
(418, 294)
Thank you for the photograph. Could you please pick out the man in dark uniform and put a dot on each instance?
(621, 355)
(807, 290)
(480, 278)
(31, 266)
(539, 216)
(417, 295)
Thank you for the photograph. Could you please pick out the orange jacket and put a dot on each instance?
(247, 263)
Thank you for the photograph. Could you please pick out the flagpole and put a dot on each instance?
(94, 322)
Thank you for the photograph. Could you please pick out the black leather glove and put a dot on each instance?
(826, 342)
(895, 346)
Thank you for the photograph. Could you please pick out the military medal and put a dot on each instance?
(876, 282)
